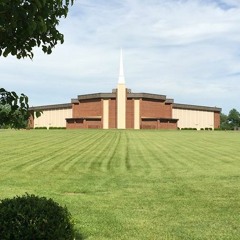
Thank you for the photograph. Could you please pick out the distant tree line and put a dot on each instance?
(230, 121)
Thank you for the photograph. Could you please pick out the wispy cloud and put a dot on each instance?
(188, 50)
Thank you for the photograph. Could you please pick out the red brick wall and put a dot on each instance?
(91, 107)
(74, 124)
(149, 125)
(75, 107)
(112, 113)
(153, 108)
(130, 113)
(216, 119)
(168, 108)
(93, 124)
(86, 108)
(167, 125)
(158, 124)
(83, 123)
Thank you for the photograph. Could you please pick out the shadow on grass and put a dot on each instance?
(79, 236)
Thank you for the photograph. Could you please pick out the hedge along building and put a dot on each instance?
(122, 109)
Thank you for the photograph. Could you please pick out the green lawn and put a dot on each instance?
(131, 184)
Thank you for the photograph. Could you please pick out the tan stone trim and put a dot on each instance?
(105, 114)
(121, 106)
(136, 114)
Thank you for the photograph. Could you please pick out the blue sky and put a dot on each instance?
(188, 50)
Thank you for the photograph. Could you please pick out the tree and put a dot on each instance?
(224, 124)
(25, 24)
(234, 118)
(230, 121)
(13, 109)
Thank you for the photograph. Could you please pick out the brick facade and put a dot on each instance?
(216, 119)
(159, 123)
(154, 108)
(130, 114)
(79, 123)
(86, 114)
(146, 111)
(112, 113)
(90, 107)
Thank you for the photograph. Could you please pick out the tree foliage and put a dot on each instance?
(230, 121)
(234, 118)
(13, 109)
(25, 24)
(224, 122)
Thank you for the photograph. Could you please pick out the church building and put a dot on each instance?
(124, 109)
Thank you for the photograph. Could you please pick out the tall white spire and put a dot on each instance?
(121, 97)
(121, 79)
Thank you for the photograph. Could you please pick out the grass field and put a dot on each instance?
(131, 184)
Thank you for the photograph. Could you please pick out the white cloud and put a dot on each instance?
(188, 50)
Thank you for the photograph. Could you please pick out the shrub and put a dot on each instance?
(57, 128)
(40, 128)
(189, 129)
(33, 217)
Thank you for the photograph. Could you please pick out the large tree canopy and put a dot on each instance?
(25, 24)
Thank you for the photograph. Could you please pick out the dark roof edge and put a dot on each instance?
(159, 118)
(169, 100)
(146, 96)
(196, 107)
(113, 95)
(74, 100)
(48, 107)
(87, 117)
(96, 95)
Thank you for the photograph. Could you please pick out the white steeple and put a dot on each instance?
(121, 97)
(121, 79)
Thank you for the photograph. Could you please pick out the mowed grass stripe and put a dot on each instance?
(131, 184)
(116, 152)
(208, 152)
(137, 153)
(153, 149)
(200, 151)
(161, 151)
(99, 156)
(78, 154)
(51, 150)
(92, 156)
